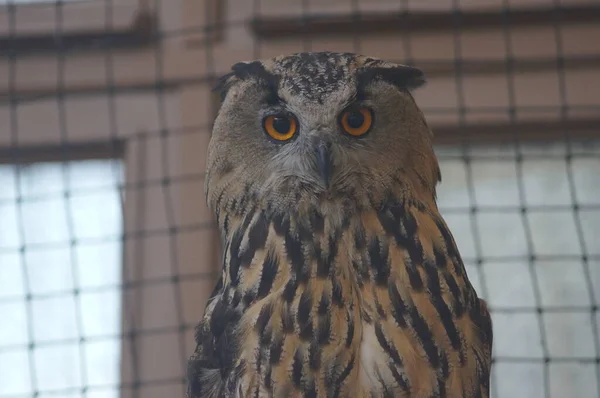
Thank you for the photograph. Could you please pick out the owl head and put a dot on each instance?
(315, 129)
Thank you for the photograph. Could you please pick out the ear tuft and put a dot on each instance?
(243, 71)
(401, 76)
(223, 84)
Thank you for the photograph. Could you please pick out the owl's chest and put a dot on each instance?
(353, 310)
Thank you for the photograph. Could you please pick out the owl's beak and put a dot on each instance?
(324, 162)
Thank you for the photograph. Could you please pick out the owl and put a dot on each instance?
(340, 278)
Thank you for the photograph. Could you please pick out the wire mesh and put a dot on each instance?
(107, 250)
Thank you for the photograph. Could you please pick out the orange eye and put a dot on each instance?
(357, 122)
(280, 127)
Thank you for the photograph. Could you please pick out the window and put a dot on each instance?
(527, 224)
(60, 279)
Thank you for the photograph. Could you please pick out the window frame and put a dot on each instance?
(19, 156)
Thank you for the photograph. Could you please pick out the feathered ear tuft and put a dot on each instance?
(223, 84)
(402, 76)
(247, 70)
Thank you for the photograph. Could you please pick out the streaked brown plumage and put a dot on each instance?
(340, 277)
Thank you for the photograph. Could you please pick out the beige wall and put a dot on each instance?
(164, 197)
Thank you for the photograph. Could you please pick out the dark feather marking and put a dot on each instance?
(289, 292)
(225, 349)
(306, 332)
(310, 390)
(304, 306)
(329, 378)
(220, 317)
(314, 355)
(388, 221)
(459, 308)
(324, 305)
(343, 376)
(441, 387)
(322, 266)
(441, 260)
(324, 263)
(415, 252)
(433, 284)
(260, 353)
(268, 274)
(324, 332)
(444, 366)
(263, 319)
(336, 292)
(297, 368)
(257, 237)
(450, 247)
(226, 225)
(360, 238)
(399, 308)
(480, 317)
(391, 351)
(350, 331)
(414, 277)
(267, 336)
(317, 221)
(276, 349)
(401, 379)
(281, 223)
(392, 217)
(237, 297)
(287, 319)
(234, 250)
(295, 254)
(243, 201)
(304, 318)
(232, 205)
(234, 377)
(378, 306)
(346, 222)
(425, 336)
(249, 297)
(268, 378)
(410, 224)
(483, 372)
(379, 259)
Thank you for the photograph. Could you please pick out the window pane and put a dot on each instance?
(531, 223)
(60, 236)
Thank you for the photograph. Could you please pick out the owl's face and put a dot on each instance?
(316, 127)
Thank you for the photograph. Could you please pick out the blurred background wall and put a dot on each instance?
(107, 249)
